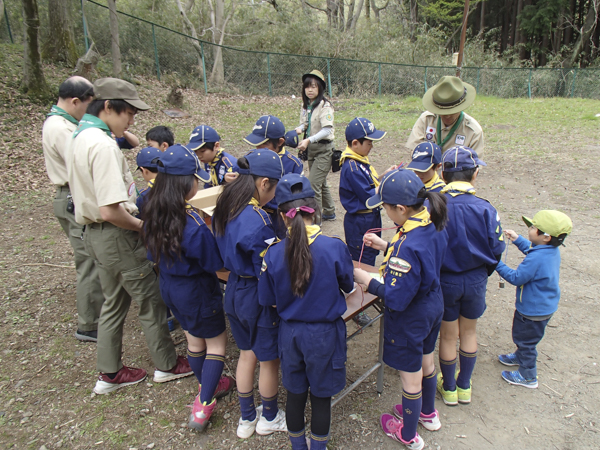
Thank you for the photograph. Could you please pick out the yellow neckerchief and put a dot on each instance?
(312, 232)
(351, 154)
(458, 188)
(254, 202)
(151, 183)
(435, 182)
(213, 173)
(421, 219)
(281, 153)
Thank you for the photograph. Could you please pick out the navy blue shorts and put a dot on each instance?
(313, 355)
(464, 295)
(253, 326)
(355, 227)
(199, 313)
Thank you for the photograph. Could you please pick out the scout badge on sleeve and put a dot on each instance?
(429, 133)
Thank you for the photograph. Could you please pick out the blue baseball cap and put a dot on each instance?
(201, 135)
(291, 139)
(398, 187)
(283, 192)
(180, 160)
(263, 163)
(360, 128)
(147, 157)
(461, 158)
(266, 127)
(424, 156)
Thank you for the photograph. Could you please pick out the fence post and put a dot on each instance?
(203, 67)
(269, 73)
(155, 53)
(573, 83)
(329, 79)
(425, 79)
(477, 87)
(529, 84)
(85, 33)
(379, 90)
(8, 25)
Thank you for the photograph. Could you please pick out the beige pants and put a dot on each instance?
(319, 165)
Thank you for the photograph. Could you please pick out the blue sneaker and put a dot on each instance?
(517, 379)
(508, 360)
(328, 216)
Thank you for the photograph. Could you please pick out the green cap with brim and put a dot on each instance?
(116, 89)
(449, 96)
(550, 222)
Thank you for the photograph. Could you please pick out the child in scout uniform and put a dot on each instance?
(538, 292)
(127, 141)
(426, 161)
(104, 195)
(160, 137)
(475, 245)
(206, 142)
(74, 96)
(147, 162)
(445, 122)
(316, 122)
(188, 282)
(244, 231)
(304, 276)
(413, 299)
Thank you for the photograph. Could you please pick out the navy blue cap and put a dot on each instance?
(146, 157)
(398, 187)
(283, 193)
(266, 127)
(360, 128)
(424, 156)
(291, 139)
(180, 160)
(201, 135)
(461, 158)
(263, 163)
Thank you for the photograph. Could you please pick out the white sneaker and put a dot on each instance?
(246, 428)
(264, 427)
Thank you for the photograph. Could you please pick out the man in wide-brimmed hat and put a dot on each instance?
(445, 122)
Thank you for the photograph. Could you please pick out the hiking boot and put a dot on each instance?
(509, 359)
(362, 319)
(265, 427)
(87, 336)
(449, 397)
(517, 379)
(125, 377)
(430, 422)
(246, 428)
(225, 386)
(182, 369)
(392, 427)
(200, 414)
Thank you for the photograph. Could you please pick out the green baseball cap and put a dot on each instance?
(117, 89)
(550, 222)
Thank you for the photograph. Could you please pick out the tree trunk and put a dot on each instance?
(482, 20)
(341, 15)
(570, 18)
(368, 10)
(558, 32)
(60, 43)
(114, 34)
(543, 54)
(585, 32)
(523, 52)
(332, 13)
(513, 25)
(413, 20)
(377, 10)
(518, 22)
(356, 16)
(218, 22)
(505, 25)
(34, 82)
(191, 30)
(350, 14)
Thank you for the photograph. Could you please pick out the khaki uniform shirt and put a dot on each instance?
(468, 134)
(98, 175)
(56, 134)
(322, 116)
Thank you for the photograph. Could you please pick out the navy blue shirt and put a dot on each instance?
(218, 169)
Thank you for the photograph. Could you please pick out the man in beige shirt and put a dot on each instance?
(74, 96)
(104, 195)
(445, 123)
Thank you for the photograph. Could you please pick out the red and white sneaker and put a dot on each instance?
(225, 386)
(430, 422)
(182, 369)
(393, 428)
(125, 377)
(200, 414)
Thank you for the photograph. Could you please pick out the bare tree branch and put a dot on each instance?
(192, 31)
(315, 7)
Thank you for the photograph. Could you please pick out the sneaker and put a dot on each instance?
(516, 378)
(125, 377)
(182, 369)
(430, 422)
(265, 427)
(200, 414)
(509, 359)
(328, 216)
(87, 336)
(362, 319)
(225, 386)
(464, 395)
(450, 397)
(392, 427)
(246, 428)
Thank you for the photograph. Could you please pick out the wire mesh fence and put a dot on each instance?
(153, 50)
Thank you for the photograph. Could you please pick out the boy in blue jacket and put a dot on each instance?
(538, 292)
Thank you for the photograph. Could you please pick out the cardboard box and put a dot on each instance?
(206, 199)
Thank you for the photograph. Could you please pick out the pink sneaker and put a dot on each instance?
(200, 414)
(393, 428)
(182, 369)
(430, 422)
(225, 386)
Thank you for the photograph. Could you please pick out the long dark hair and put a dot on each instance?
(297, 250)
(321, 96)
(437, 207)
(165, 217)
(235, 197)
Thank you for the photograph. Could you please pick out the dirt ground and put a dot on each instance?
(46, 376)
